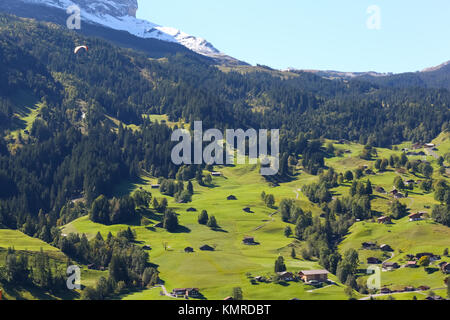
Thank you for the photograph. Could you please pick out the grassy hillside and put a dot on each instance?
(404, 237)
(216, 273)
(31, 246)
(19, 241)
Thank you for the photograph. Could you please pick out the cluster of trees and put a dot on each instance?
(358, 188)
(347, 269)
(351, 208)
(175, 188)
(289, 211)
(113, 211)
(170, 220)
(317, 193)
(441, 213)
(320, 192)
(160, 205)
(269, 199)
(72, 211)
(23, 270)
(126, 262)
(209, 221)
(368, 152)
(442, 192)
(402, 161)
(88, 157)
(398, 210)
(313, 157)
(280, 266)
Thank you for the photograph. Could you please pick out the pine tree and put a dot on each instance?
(212, 223)
(287, 232)
(170, 222)
(279, 264)
(190, 188)
(203, 217)
(369, 189)
(348, 175)
(293, 254)
(237, 294)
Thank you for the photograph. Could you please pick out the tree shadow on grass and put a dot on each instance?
(198, 297)
(126, 187)
(149, 214)
(219, 230)
(379, 197)
(182, 229)
(39, 293)
(431, 270)
(284, 284)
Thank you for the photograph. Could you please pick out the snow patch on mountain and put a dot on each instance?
(121, 15)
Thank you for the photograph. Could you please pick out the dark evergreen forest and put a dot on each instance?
(65, 157)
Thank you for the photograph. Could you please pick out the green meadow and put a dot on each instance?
(234, 264)
(230, 265)
(216, 273)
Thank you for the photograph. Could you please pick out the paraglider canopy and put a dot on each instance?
(77, 49)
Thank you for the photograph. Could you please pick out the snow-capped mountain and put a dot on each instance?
(121, 15)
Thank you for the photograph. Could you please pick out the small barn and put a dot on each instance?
(231, 197)
(384, 220)
(411, 264)
(380, 190)
(390, 265)
(416, 216)
(206, 248)
(317, 275)
(249, 241)
(286, 276)
(188, 250)
(386, 247)
(445, 267)
(385, 290)
(369, 245)
(186, 292)
(373, 260)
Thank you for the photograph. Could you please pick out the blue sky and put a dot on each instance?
(315, 34)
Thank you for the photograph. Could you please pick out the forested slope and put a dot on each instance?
(73, 151)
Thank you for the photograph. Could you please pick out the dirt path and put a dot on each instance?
(164, 290)
(392, 256)
(431, 153)
(297, 193)
(262, 226)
